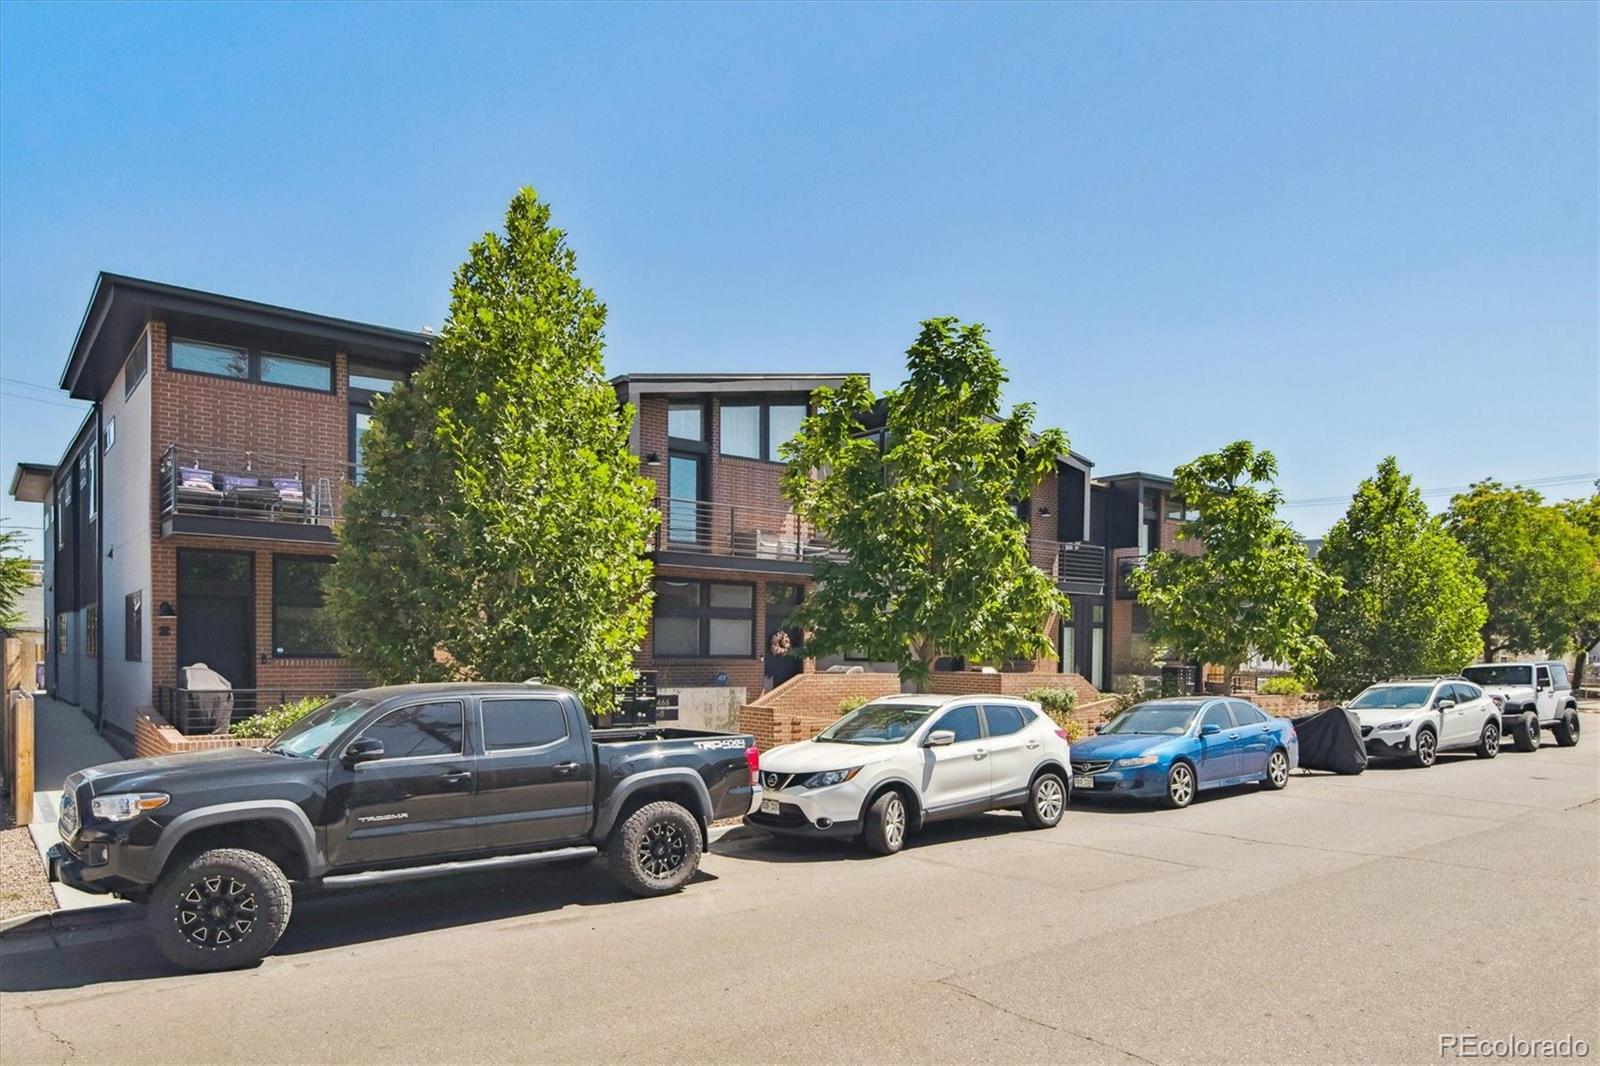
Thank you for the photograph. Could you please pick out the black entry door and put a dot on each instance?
(216, 613)
(782, 663)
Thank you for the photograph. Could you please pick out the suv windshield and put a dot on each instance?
(1391, 697)
(310, 736)
(876, 723)
(1499, 675)
(1169, 718)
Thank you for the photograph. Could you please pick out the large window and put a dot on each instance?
(704, 619)
(133, 627)
(91, 630)
(300, 629)
(512, 724)
(686, 421)
(242, 364)
(138, 364)
(758, 430)
(420, 731)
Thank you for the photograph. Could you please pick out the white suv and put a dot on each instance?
(894, 764)
(1532, 696)
(1417, 718)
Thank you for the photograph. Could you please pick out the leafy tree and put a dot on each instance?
(1585, 515)
(936, 560)
(14, 578)
(1252, 585)
(500, 528)
(1536, 564)
(1405, 598)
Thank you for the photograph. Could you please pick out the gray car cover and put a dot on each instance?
(1331, 740)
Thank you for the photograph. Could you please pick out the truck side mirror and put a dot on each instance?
(363, 749)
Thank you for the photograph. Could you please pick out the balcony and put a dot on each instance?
(1077, 566)
(248, 494)
(698, 530)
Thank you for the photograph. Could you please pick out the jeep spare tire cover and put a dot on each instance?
(1331, 740)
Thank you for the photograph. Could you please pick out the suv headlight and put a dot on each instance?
(1392, 726)
(1140, 760)
(830, 777)
(126, 805)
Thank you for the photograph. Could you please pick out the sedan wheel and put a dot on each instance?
(1180, 785)
(1277, 771)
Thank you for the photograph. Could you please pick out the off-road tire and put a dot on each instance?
(1526, 732)
(1181, 786)
(1047, 801)
(656, 849)
(221, 910)
(1489, 740)
(888, 819)
(1277, 771)
(1427, 753)
(1566, 728)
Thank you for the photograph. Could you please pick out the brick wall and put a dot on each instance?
(153, 737)
(747, 672)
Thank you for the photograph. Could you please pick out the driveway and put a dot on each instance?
(1342, 919)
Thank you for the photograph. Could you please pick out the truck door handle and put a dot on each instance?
(456, 777)
(565, 768)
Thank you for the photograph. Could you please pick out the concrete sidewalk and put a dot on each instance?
(64, 741)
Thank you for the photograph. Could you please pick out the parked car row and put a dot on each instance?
(417, 780)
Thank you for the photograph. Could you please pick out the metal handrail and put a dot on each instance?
(320, 482)
(705, 527)
(210, 712)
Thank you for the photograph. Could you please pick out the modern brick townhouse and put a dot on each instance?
(191, 517)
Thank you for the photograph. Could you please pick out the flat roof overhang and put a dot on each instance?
(120, 306)
(30, 483)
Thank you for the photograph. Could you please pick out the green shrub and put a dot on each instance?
(1057, 703)
(1133, 694)
(850, 703)
(1287, 685)
(269, 724)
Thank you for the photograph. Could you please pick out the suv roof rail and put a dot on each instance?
(1428, 677)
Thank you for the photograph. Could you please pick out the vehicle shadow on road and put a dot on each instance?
(753, 844)
(1109, 804)
(325, 919)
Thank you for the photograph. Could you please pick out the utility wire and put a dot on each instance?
(1451, 490)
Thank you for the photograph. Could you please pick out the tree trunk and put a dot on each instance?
(1578, 669)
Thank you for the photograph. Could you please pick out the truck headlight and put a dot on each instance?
(1140, 760)
(126, 805)
(829, 777)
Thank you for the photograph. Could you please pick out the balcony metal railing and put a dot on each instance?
(252, 485)
(209, 712)
(1076, 565)
(734, 531)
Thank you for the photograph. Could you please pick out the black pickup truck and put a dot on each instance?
(387, 783)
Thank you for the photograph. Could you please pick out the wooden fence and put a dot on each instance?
(16, 755)
(23, 656)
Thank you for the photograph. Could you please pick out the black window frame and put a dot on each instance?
(253, 354)
(703, 441)
(483, 724)
(764, 405)
(279, 649)
(977, 714)
(1020, 712)
(704, 613)
(133, 627)
(137, 365)
(1227, 713)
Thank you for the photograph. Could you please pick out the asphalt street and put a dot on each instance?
(1344, 919)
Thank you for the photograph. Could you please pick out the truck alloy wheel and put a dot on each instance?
(1566, 729)
(223, 909)
(656, 849)
(1526, 732)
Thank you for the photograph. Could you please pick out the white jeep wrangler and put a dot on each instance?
(1532, 696)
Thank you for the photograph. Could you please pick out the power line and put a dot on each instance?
(1451, 490)
(40, 399)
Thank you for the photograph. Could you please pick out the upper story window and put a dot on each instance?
(686, 421)
(369, 378)
(759, 430)
(242, 364)
(138, 364)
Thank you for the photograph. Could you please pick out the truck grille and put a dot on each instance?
(67, 824)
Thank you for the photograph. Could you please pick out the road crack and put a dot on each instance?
(71, 1049)
(948, 983)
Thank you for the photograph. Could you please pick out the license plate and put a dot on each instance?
(769, 806)
(1083, 781)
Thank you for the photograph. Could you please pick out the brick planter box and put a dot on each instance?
(152, 737)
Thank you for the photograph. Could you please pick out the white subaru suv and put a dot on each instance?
(1532, 696)
(897, 763)
(1417, 718)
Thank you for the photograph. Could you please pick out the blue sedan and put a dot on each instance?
(1171, 749)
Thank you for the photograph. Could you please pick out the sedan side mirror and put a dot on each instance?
(1210, 729)
(1445, 705)
(1101, 728)
(363, 749)
(940, 737)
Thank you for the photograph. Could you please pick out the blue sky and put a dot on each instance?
(1340, 231)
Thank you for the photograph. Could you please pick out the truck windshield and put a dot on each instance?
(310, 736)
(1499, 675)
(876, 723)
